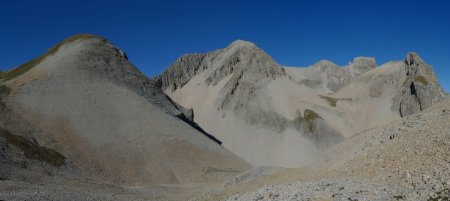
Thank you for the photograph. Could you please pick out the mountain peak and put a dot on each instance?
(13, 73)
(74, 38)
(324, 63)
(413, 58)
(240, 56)
(241, 44)
(362, 58)
(361, 65)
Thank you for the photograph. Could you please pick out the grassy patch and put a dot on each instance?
(331, 101)
(33, 151)
(421, 79)
(441, 196)
(8, 75)
(307, 121)
(310, 115)
(399, 197)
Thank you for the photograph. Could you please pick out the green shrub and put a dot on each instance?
(307, 121)
(310, 115)
(421, 79)
(399, 197)
(331, 101)
(33, 151)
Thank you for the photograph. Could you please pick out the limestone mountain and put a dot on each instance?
(81, 122)
(85, 106)
(269, 114)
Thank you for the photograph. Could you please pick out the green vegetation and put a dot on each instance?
(33, 151)
(310, 115)
(8, 75)
(331, 101)
(399, 197)
(442, 196)
(421, 79)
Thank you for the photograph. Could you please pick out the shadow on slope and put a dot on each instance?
(187, 116)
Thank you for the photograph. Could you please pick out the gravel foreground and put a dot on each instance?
(405, 160)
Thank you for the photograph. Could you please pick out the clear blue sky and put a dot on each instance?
(294, 33)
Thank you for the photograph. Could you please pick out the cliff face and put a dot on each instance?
(420, 89)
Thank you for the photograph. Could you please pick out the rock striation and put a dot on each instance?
(361, 65)
(242, 85)
(327, 75)
(420, 90)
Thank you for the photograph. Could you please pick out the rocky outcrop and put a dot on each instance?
(326, 75)
(180, 72)
(240, 56)
(245, 57)
(249, 67)
(361, 65)
(420, 89)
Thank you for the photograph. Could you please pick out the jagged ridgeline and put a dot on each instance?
(250, 102)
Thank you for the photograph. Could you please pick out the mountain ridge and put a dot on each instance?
(82, 122)
(265, 95)
(110, 122)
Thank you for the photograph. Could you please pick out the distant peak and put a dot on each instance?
(241, 43)
(361, 65)
(363, 62)
(324, 63)
(360, 58)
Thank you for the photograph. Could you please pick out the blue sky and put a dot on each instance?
(294, 33)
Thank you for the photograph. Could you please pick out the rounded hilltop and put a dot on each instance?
(242, 43)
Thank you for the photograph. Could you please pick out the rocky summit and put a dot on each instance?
(80, 122)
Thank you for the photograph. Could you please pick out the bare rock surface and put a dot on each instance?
(420, 90)
(326, 75)
(259, 102)
(361, 65)
(86, 102)
(82, 123)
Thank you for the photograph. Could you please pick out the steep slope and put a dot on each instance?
(274, 115)
(84, 100)
(407, 159)
(420, 90)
